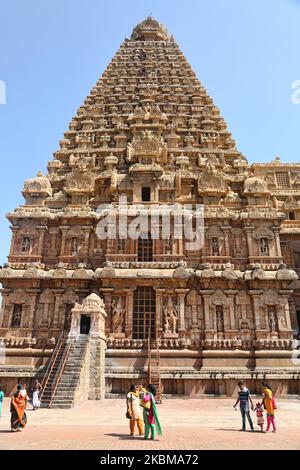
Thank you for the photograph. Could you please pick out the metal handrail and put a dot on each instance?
(60, 371)
(52, 362)
(149, 356)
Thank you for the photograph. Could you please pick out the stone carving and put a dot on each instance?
(263, 232)
(211, 183)
(230, 273)
(255, 185)
(286, 274)
(60, 272)
(118, 315)
(272, 321)
(79, 182)
(171, 317)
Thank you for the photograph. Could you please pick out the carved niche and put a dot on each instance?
(263, 232)
(219, 310)
(45, 309)
(244, 311)
(211, 183)
(194, 312)
(117, 316)
(170, 316)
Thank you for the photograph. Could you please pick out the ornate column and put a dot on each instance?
(42, 230)
(107, 293)
(226, 239)
(181, 296)
(64, 229)
(87, 230)
(286, 294)
(256, 294)
(33, 293)
(53, 232)
(194, 306)
(159, 316)
(129, 313)
(277, 241)
(206, 304)
(57, 293)
(14, 230)
(231, 295)
(4, 314)
(249, 231)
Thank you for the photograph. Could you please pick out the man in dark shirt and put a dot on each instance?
(244, 398)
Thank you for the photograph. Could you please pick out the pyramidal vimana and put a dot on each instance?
(88, 314)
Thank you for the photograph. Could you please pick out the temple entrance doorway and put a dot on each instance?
(85, 324)
(144, 302)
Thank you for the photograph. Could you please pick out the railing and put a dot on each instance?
(156, 368)
(59, 373)
(52, 361)
(149, 356)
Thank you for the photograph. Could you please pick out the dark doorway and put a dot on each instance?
(85, 324)
(146, 194)
(144, 313)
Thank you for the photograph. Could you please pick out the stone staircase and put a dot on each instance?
(53, 371)
(69, 381)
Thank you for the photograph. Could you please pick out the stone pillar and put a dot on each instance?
(286, 295)
(180, 246)
(195, 325)
(64, 229)
(53, 233)
(129, 313)
(13, 239)
(249, 231)
(107, 293)
(206, 304)
(226, 240)
(255, 294)
(42, 230)
(57, 293)
(231, 294)
(33, 293)
(277, 241)
(4, 308)
(87, 230)
(159, 316)
(181, 295)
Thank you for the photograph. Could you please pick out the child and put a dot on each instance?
(260, 416)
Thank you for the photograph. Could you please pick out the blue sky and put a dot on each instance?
(245, 52)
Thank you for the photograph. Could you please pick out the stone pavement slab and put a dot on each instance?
(187, 425)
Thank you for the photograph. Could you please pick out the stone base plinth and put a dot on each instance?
(170, 335)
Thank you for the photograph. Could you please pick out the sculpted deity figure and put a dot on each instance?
(170, 317)
(117, 315)
(272, 321)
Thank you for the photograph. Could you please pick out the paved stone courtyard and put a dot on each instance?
(187, 424)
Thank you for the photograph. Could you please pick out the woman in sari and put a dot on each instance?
(150, 415)
(134, 411)
(17, 409)
(269, 405)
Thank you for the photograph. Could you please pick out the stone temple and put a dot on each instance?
(88, 314)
